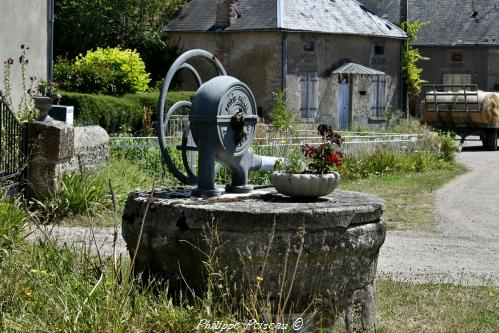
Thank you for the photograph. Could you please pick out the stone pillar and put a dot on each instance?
(56, 147)
(50, 146)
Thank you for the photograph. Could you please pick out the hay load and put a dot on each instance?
(464, 110)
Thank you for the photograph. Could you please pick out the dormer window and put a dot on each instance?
(309, 46)
(379, 50)
(457, 57)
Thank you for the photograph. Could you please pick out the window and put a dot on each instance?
(378, 56)
(379, 50)
(457, 57)
(378, 96)
(309, 46)
(455, 82)
(309, 97)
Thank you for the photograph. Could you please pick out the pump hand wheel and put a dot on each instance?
(187, 146)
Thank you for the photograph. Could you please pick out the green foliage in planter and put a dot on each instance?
(118, 115)
(109, 71)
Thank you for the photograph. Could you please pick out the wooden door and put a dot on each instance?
(343, 104)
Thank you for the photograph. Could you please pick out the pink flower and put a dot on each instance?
(309, 150)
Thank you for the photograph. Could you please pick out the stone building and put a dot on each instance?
(25, 22)
(461, 38)
(299, 46)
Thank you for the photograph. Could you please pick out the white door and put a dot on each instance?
(343, 103)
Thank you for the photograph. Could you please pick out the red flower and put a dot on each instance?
(10, 61)
(334, 159)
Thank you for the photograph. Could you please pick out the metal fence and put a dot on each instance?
(12, 157)
(354, 143)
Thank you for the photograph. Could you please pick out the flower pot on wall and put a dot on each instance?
(305, 185)
(43, 103)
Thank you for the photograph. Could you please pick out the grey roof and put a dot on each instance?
(389, 9)
(323, 16)
(352, 68)
(449, 22)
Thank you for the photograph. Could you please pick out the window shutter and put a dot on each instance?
(309, 96)
(313, 99)
(304, 96)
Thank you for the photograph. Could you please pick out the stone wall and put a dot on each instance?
(55, 147)
(252, 57)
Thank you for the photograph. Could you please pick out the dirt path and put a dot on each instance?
(466, 248)
(464, 251)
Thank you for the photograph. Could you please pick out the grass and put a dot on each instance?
(408, 307)
(48, 289)
(409, 197)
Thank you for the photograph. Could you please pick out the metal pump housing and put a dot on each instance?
(222, 123)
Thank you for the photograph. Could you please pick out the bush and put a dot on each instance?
(448, 146)
(109, 71)
(119, 115)
(384, 161)
(282, 119)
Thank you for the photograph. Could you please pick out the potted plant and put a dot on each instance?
(310, 173)
(45, 94)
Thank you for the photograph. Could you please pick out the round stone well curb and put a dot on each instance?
(263, 238)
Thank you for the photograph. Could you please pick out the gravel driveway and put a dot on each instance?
(464, 251)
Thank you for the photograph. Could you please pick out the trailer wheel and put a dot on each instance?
(490, 142)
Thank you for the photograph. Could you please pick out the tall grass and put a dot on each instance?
(12, 222)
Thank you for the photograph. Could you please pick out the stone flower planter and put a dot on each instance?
(305, 185)
(43, 103)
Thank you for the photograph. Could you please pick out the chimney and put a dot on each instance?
(404, 11)
(226, 13)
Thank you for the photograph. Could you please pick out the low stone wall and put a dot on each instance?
(325, 250)
(55, 147)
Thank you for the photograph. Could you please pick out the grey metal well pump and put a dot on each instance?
(221, 127)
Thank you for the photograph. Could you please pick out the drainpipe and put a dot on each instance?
(284, 71)
(404, 101)
(50, 40)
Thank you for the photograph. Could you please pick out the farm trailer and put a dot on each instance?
(462, 109)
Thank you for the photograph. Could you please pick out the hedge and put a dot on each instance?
(117, 115)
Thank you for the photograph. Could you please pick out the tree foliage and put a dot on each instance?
(83, 25)
(412, 72)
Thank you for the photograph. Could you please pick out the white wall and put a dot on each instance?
(23, 22)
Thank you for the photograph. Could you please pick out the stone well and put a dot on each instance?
(332, 242)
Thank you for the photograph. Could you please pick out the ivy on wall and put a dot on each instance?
(412, 72)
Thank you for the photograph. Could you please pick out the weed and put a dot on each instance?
(12, 222)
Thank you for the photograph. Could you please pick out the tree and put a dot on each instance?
(83, 25)
(412, 72)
